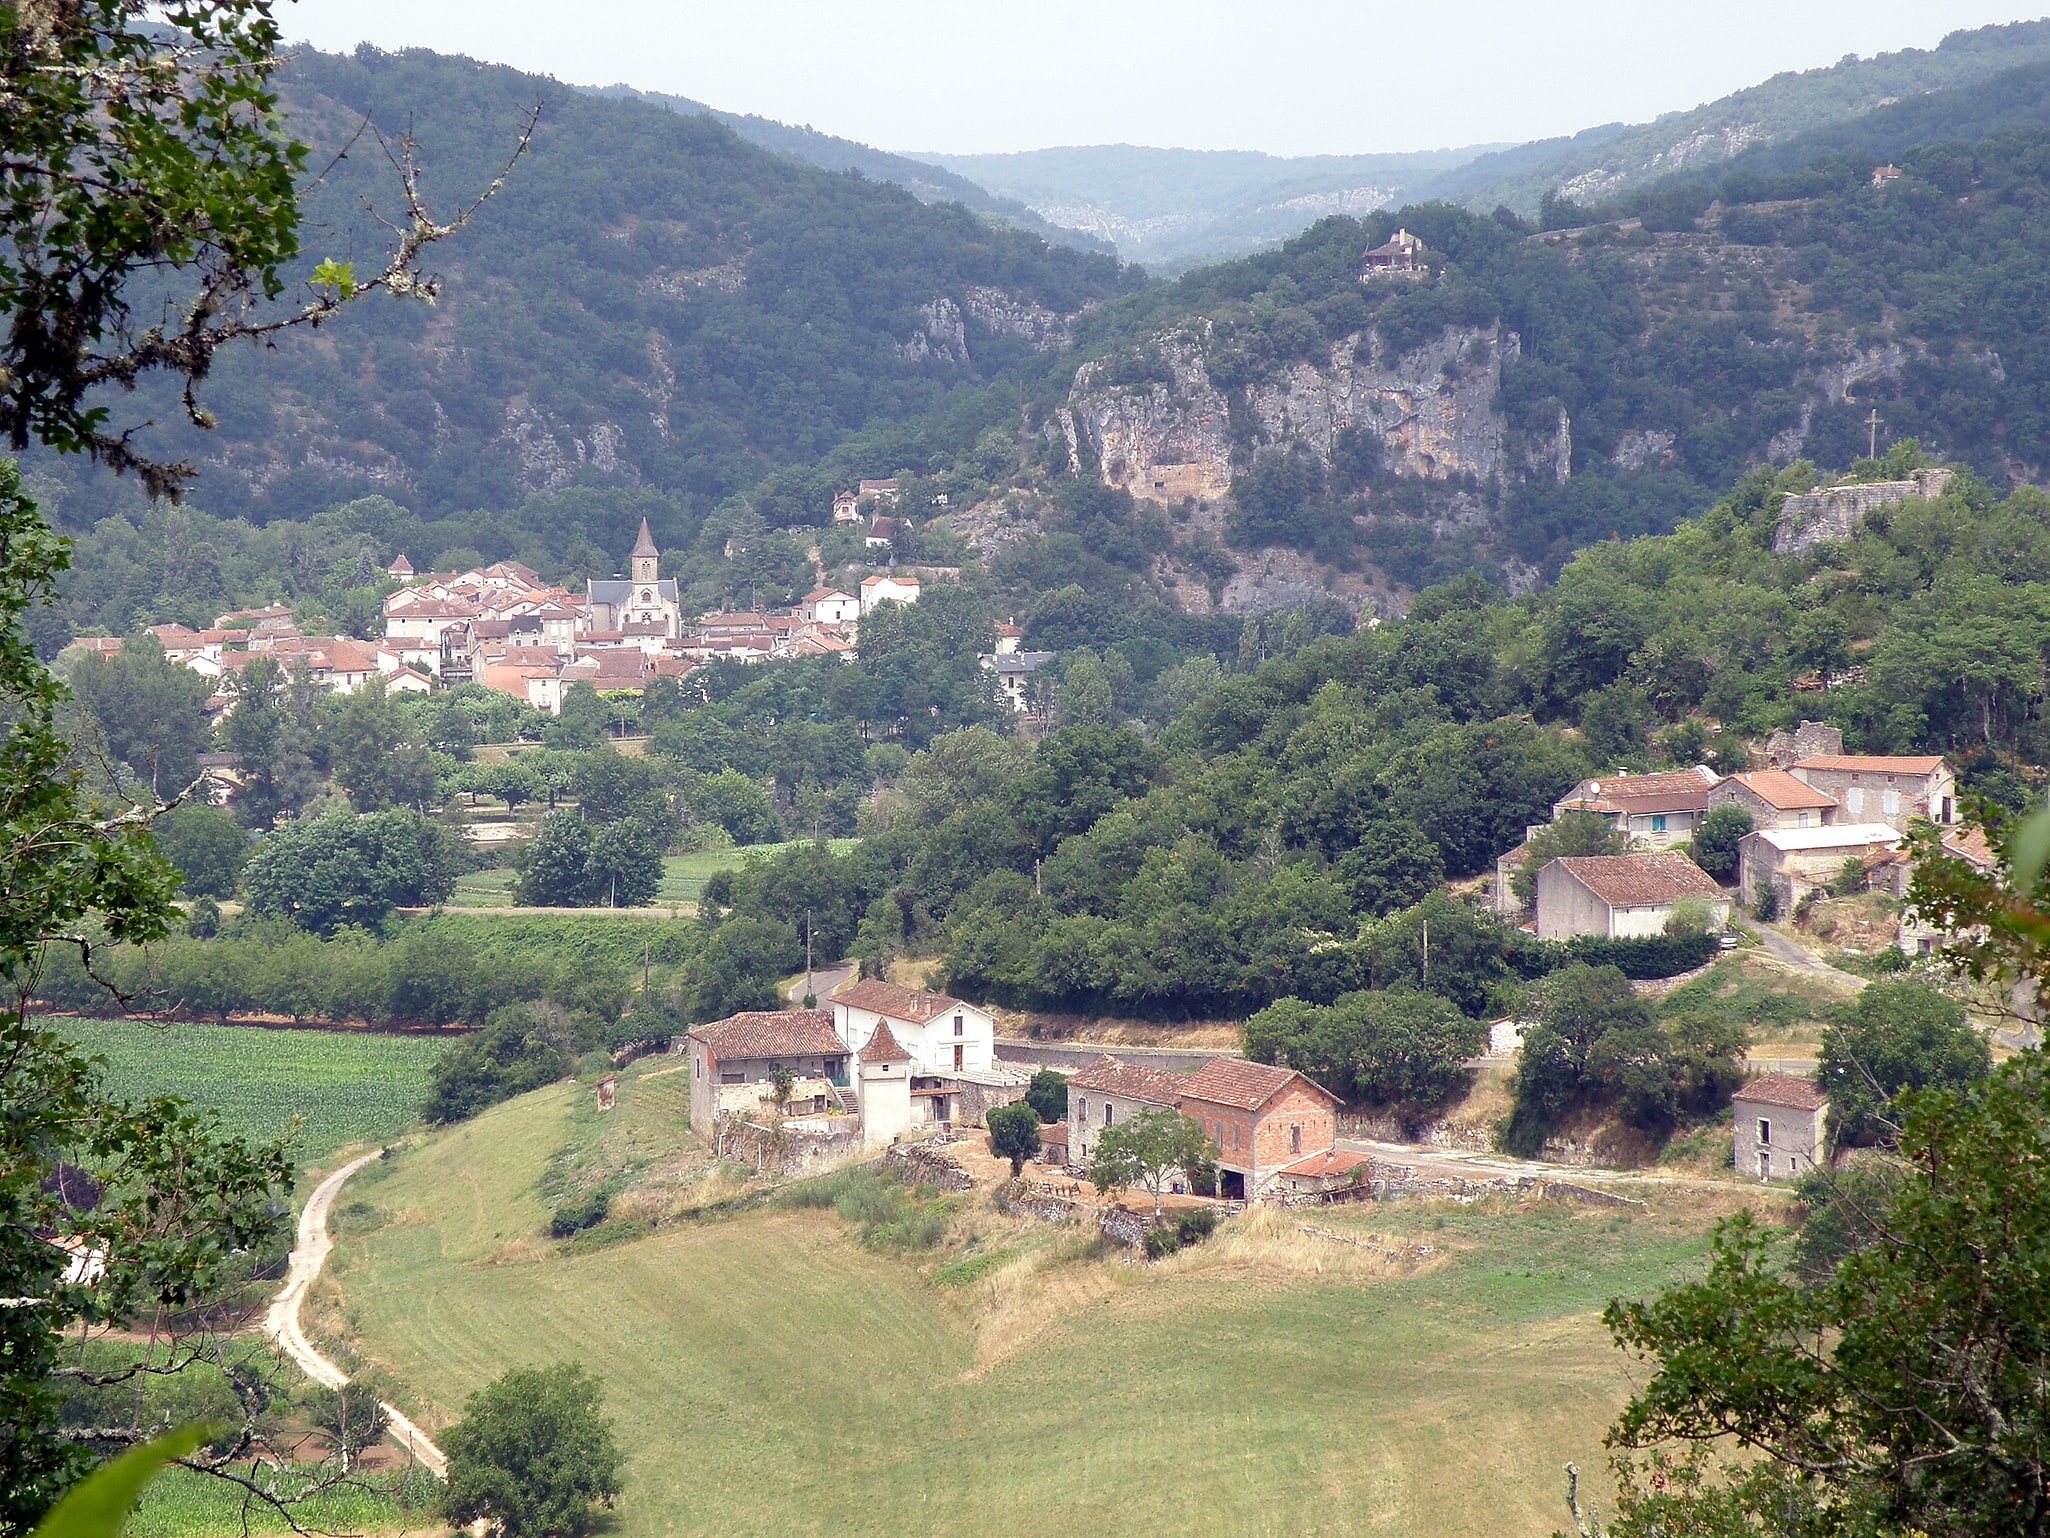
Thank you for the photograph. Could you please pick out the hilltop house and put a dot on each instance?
(1796, 861)
(1871, 788)
(1263, 1122)
(1781, 1127)
(733, 1063)
(1110, 1091)
(1401, 256)
(1621, 896)
(1654, 811)
(1775, 799)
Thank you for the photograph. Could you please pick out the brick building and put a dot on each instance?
(1260, 1120)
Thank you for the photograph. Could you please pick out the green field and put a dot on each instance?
(348, 1086)
(182, 1504)
(769, 1374)
(683, 875)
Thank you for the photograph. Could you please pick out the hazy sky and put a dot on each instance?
(1287, 76)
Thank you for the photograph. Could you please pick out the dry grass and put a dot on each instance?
(1273, 1245)
(1020, 1302)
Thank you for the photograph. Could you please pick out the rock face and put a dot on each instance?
(1176, 436)
(1838, 512)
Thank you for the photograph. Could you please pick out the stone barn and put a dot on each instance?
(1781, 1127)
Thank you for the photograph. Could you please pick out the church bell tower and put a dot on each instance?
(645, 557)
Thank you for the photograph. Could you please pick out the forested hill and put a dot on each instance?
(650, 301)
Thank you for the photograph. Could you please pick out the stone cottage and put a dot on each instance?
(1622, 896)
(1872, 788)
(733, 1063)
(1797, 861)
(1781, 1127)
(1654, 811)
(1775, 799)
(1110, 1091)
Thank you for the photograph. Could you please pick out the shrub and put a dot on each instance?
(1161, 1242)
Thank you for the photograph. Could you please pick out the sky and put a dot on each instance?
(1291, 77)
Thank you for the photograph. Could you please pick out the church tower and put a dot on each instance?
(645, 556)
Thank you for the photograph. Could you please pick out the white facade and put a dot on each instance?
(875, 590)
(958, 1036)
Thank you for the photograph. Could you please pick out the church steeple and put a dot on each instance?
(645, 557)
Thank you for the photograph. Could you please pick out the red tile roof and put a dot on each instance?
(1781, 791)
(1243, 1085)
(1970, 844)
(1680, 791)
(1785, 1090)
(883, 1047)
(772, 1033)
(1057, 1135)
(1868, 763)
(917, 1005)
(1329, 1162)
(1112, 1076)
(1640, 880)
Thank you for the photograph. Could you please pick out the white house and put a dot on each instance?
(1781, 1127)
(942, 1034)
(829, 606)
(879, 589)
(882, 1082)
(1621, 896)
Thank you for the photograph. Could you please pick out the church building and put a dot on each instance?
(645, 604)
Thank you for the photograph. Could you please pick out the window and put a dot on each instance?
(1658, 822)
(1295, 1139)
(958, 1050)
(732, 1078)
(957, 1025)
(1764, 1132)
(1081, 1113)
(1110, 1113)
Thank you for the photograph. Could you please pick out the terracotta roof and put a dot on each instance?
(1332, 1161)
(1112, 1076)
(1783, 1089)
(823, 592)
(1056, 1134)
(1970, 844)
(1781, 791)
(1867, 763)
(1640, 880)
(917, 1005)
(772, 1033)
(1683, 791)
(1247, 1086)
(883, 1047)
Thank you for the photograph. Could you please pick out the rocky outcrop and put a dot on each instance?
(1174, 436)
(547, 455)
(1838, 512)
(944, 336)
(1008, 315)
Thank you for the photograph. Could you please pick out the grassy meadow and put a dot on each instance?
(770, 1374)
(683, 875)
(345, 1086)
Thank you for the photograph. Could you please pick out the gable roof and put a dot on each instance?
(772, 1033)
(1113, 1076)
(1782, 792)
(1680, 791)
(1640, 880)
(1243, 1085)
(1783, 1089)
(1872, 763)
(883, 1047)
(915, 1005)
(1971, 845)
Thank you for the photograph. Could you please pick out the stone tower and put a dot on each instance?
(645, 557)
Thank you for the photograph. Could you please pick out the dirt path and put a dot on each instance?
(1780, 948)
(282, 1325)
(1435, 1162)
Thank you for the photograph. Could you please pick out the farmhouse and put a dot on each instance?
(733, 1063)
(1796, 861)
(1110, 1091)
(952, 1047)
(1781, 1127)
(1621, 896)
(1654, 811)
(1775, 799)
(1917, 936)
(1261, 1120)
(1894, 791)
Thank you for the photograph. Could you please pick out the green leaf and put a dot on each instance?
(99, 1505)
(2030, 850)
(336, 277)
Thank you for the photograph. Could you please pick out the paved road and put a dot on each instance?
(1080, 1054)
(282, 1325)
(825, 981)
(1780, 948)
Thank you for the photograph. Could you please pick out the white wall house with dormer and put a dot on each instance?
(944, 1035)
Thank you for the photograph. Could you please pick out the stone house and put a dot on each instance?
(732, 1063)
(883, 1088)
(1261, 1120)
(1775, 799)
(1918, 937)
(1654, 811)
(1797, 861)
(1110, 1091)
(1781, 1127)
(1333, 1170)
(1621, 896)
(1895, 791)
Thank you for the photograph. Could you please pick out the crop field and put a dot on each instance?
(347, 1086)
(770, 1374)
(182, 1504)
(683, 875)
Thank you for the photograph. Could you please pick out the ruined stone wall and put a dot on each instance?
(1838, 512)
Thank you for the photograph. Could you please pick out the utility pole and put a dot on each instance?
(1427, 953)
(1872, 429)
(809, 991)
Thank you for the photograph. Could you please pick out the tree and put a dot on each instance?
(555, 871)
(150, 712)
(277, 775)
(374, 755)
(532, 1455)
(1392, 867)
(625, 864)
(207, 845)
(1575, 834)
(1894, 1036)
(1047, 1094)
(1014, 1134)
(1715, 840)
(341, 869)
(351, 1417)
(956, 771)
(1146, 1151)
(1902, 1392)
(739, 805)
(1399, 1047)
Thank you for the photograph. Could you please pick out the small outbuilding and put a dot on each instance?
(1782, 1127)
(1621, 896)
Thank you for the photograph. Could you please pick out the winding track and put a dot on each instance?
(282, 1325)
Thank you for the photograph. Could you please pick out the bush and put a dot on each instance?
(1161, 1242)
(532, 1455)
(1648, 958)
(1196, 1225)
(1048, 1096)
(586, 1209)
(1715, 841)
